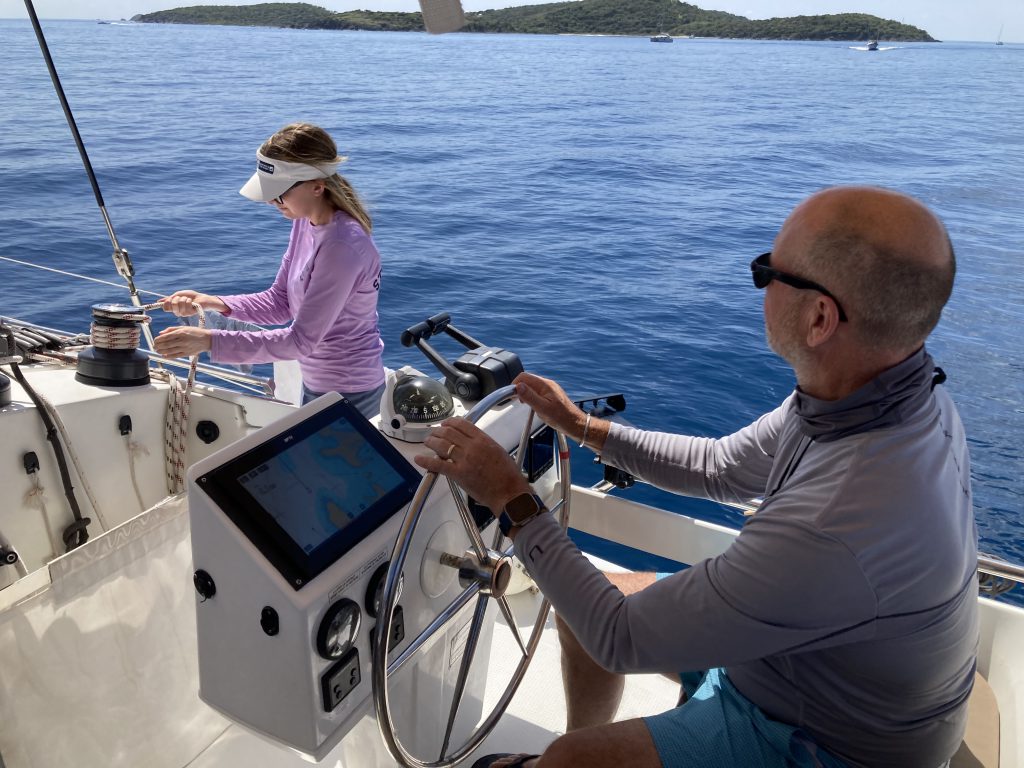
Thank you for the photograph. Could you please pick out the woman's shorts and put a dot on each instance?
(367, 403)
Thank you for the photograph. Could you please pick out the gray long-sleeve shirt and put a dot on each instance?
(846, 605)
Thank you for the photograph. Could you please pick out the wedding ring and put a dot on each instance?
(451, 448)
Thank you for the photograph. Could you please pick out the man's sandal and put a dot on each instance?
(486, 761)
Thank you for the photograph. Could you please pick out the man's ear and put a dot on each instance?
(823, 321)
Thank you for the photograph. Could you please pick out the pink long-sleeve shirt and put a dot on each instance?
(327, 288)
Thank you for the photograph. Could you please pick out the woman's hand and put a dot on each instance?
(180, 303)
(467, 455)
(183, 341)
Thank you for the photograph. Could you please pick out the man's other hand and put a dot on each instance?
(551, 404)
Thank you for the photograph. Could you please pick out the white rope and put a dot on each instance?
(36, 497)
(135, 449)
(109, 337)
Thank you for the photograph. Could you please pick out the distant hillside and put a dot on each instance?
(593, 17)
(292, 15)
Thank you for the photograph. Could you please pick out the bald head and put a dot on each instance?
(885, 256)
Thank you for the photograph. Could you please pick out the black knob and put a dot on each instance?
(204, 584)
(270, 621)
(31, 462)
(207, 431)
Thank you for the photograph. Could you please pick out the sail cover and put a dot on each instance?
(100, 667)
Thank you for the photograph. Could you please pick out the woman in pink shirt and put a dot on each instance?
(326, 287)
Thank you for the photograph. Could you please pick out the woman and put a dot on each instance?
(326, 287)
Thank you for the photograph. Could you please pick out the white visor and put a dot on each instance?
(275, 177)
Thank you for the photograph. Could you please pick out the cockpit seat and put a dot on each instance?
(980, 748)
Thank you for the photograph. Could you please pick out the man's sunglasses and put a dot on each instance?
(280, 198)
(763, 273)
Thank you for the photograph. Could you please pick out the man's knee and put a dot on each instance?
(561, 752)
(626, 743)
(631, 582)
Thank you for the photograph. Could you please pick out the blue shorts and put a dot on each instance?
(719, 726)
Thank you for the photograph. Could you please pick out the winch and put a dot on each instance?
(114, 359)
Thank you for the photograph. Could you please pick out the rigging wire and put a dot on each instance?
(75, 274)
(122, 262)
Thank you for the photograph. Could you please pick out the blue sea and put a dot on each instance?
(589, 202)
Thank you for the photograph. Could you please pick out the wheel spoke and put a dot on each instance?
(467, 521)
(467, 661)
(498, 537)
(506, 609)
(439, 621)
(524, 441)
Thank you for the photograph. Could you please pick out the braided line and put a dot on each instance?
(176, 417)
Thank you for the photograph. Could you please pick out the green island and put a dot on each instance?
(580, 17)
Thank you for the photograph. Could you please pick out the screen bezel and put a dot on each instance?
(297, 566)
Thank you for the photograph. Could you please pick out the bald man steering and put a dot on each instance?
(840, 628)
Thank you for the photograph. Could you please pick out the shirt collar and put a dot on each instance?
(885, 401)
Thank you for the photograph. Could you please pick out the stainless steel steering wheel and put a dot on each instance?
(487, 572)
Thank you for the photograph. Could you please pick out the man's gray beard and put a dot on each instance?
(783, 342)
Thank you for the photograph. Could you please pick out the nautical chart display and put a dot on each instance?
(309, 494)
(319, 485)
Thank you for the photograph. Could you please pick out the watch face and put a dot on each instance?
(522, 508)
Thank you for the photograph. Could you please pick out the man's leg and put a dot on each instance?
(619, 745)
(592, 694)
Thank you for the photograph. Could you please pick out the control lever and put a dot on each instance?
(476, 373)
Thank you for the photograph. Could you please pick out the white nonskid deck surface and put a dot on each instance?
(535, 717)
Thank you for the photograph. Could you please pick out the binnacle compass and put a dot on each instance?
(412, 404)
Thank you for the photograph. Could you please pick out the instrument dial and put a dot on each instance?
(338, 629)
(375, 590)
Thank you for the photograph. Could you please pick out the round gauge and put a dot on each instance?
(338, 629)
(375, 589)
(421, 399)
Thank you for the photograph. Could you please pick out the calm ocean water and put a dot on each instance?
(591, 203)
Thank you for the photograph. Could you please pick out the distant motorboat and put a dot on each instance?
(872, 45)
(661, 37)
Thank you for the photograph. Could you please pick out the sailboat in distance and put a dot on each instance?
(662, 36)
(999, 37)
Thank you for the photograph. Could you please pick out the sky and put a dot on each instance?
(978, 20)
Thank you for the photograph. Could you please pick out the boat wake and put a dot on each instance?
(865, 48)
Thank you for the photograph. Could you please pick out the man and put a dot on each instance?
(840, 628)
